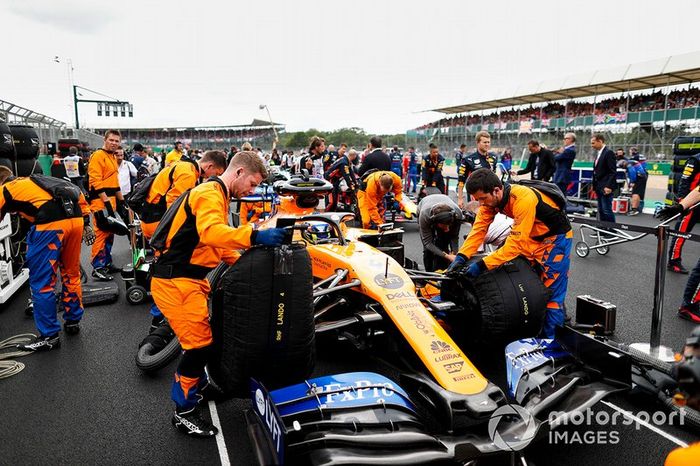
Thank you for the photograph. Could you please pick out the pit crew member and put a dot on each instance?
(199, 238)
(540, 232)
(690, 180)
(439, 222)
(370, 196)
(53, 241)
(431, 169)
(341, 170)
(472, 162)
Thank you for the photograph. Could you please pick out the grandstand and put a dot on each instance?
(645, 105)
(259, 133)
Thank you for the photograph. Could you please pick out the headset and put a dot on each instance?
(448, 217)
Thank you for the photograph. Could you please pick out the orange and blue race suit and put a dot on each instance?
(198, 240)
(544, 240)
(103, 174)
(53, 242)
(169, 184)
(370, 198)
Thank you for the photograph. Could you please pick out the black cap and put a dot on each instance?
(138, 147)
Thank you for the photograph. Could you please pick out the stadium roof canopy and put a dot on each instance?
(669, 71)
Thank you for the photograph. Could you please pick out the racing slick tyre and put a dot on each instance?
(262, 320)
(26, 141)
(582, 249)
(502, 305)
(157, 349)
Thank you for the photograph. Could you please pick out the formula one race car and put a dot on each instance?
(363, 294)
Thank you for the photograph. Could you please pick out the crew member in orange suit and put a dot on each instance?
(541, 233)
(168, 185)
(174, 180)
(198, 239)
(370, 196)
(53, 241)
(105, 199)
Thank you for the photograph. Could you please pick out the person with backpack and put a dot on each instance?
(153, 196)
(541, 233)
(60, 219)
(156, 193)
(105, 199)
(194, 237)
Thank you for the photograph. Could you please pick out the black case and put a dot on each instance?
(591, 311)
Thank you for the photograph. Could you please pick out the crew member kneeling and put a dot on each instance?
(439, 221)
(53, 241)
(370, 196)
(541, 233)
(199, 238)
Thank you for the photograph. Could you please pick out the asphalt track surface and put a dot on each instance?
(87, 403)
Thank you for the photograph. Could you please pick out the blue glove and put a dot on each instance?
(476, 268)
(269, 237)
(459, 261)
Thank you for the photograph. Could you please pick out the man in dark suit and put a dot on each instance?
(604, 174)
(540, 164)
(377, 159)
(563, 162)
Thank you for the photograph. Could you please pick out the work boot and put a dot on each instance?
(71, 327)
(102, 274)
(690, 313)
(192, 423)
(42, 344)
(675, 266)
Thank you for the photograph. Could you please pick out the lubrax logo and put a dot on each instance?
(389, 281)
(438, 346)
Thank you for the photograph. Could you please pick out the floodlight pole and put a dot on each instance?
(274, 130)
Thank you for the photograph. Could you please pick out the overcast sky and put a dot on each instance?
(324, 64)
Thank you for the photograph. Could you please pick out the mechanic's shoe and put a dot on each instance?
(690, 313)
(42, 344)
(111, 268)
(71, 327)
(192, 423)
(632, 213)
(676, 267)
(102, 274)
(156, 322)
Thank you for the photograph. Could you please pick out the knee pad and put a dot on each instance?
(193, 361)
